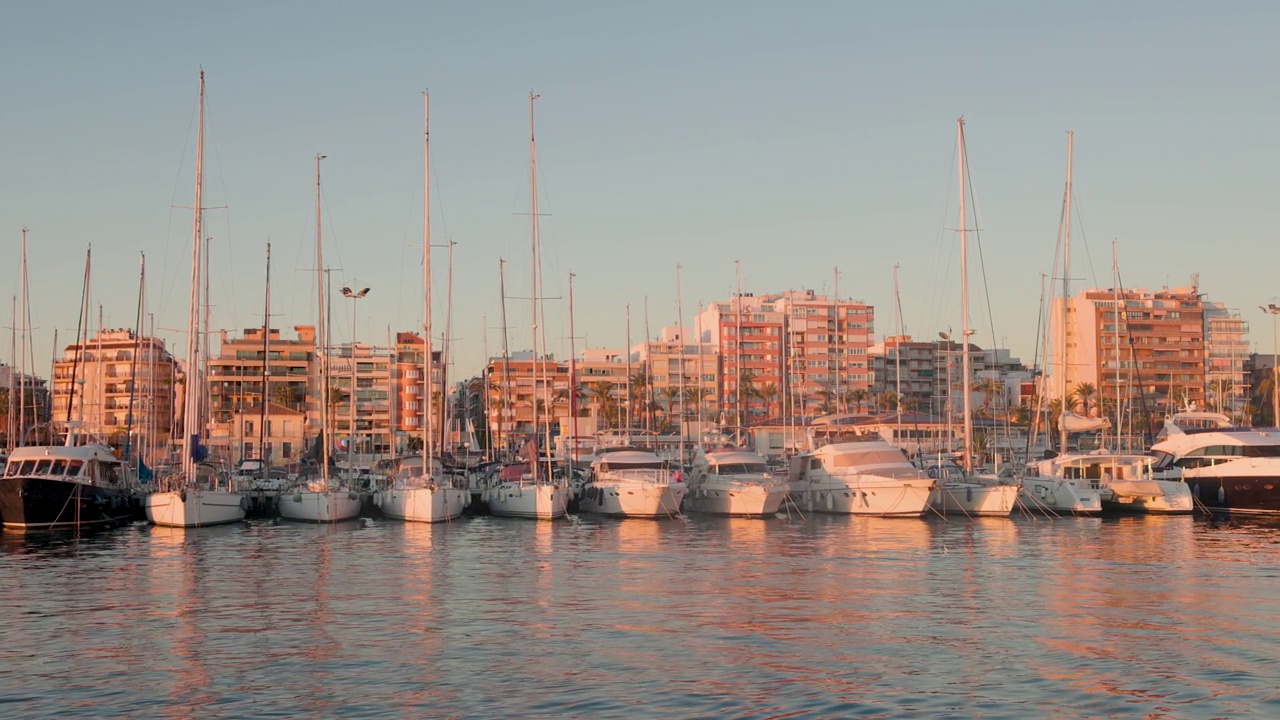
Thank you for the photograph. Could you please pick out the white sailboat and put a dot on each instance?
(321, 498)
(532, 489)
(420, 491)
(965, 494)
(197, 495)
(1044, 489)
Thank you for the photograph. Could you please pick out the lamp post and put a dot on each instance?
(1273, 310)
(351, 441)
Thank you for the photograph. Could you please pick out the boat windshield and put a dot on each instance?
(615, 467)
(1228, 451)
(741, 469)
(871, 457)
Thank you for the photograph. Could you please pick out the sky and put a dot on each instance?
(793, 138)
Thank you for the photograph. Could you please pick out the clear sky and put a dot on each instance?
(795, 137)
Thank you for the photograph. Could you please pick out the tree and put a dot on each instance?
(989, 388)
(888, 400)
(769, 394)
(602, 394)
(859, 397)
(1085, 392)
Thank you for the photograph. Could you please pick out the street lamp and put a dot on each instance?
(1272, 310)
(351, 441)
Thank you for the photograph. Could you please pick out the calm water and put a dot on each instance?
(822, 617)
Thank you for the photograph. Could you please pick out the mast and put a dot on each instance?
(486, 406)
(428, 384)
(573, 376)
(133, 361)
(841, 406)
(534, 260)
(25, 316)
(897, 351)
(629, 410)
(323, 332)
(506, 355)
(648, 385)
(680, 389)
(264, 436)
(191, 399)
(737, 356)
(1066, 292)
(964, 309)
(446, 348)
(1115, 340)
(10, 424)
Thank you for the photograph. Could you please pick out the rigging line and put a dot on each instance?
(229, 290)
(173, 201)
(1035, 366)
(1075, 203)
(940, 274)
(986, 288)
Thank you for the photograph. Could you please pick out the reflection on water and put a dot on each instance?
(819, 616)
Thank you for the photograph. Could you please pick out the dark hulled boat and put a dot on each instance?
(66, 486)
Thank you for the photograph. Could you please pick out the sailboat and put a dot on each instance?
(1047, 487)
(321, 498)
(197, 495)
(420, 491)
(1105, 480)
(80, 484)
(963, 493)
(531, 489)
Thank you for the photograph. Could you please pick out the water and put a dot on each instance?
(486, 617)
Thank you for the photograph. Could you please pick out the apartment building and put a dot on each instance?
(117, 382)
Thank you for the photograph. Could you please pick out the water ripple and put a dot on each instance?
(815, 617)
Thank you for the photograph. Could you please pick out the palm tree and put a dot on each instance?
(859, 397)
(888, 400)
(748, 391)
(1085, 392)
(769, 394)
(602, 394)
(989, 388)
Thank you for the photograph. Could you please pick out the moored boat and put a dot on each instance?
(632, 482)
(76, 485)
(862, 477)
(735, 482)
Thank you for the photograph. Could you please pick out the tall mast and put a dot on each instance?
(1115, 341)
(897, 349)
(25, 316)
(628, 386)
(11, 424)
(323, 332)
(573, 374)
(191, 399)
(534, 260)
(680, 389)
(133, 360)
(264, 436)
(737, 358)
(428, 384)
(1066, 292)
(841, 406)
(648, 385)
(506, 354)
(964, 309)
(446, 347)
(486, 405)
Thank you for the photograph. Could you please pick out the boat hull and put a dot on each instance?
(975, 500)
(755, 501)
(44, 504)
(1248, 493)
(880, 499)
(650, 500)
(195, 508)
(1058, 496)
(422, 504)
(537, 502)
(320, 507)
(1174, 497)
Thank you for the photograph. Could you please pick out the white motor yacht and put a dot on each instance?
(862, 477)
(735, 482)
(631, 482)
